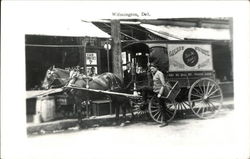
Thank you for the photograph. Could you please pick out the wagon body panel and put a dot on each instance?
(187, 78)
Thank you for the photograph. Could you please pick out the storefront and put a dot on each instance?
(63, 45)
(42, 52)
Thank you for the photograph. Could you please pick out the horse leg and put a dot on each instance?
(127, 106)
(117, 109)
(124, 111)
(131, 109)
(78, 110)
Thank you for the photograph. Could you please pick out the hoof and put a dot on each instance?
(74, 128)
(127, 122)
(114, 123)
(42, 131)
(122, 124)
(96, 125)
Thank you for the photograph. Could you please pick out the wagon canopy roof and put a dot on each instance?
(57, 27)
(181, 33)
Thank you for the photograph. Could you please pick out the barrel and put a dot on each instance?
(45, 108)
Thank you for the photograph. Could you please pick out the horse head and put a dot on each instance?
(55, 77)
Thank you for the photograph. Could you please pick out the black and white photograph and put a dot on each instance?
(125, 80)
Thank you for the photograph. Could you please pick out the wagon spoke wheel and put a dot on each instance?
(184, 105)
(207, 97)
(156, 110)
(138, 108)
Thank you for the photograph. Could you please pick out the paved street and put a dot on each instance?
(186, 138)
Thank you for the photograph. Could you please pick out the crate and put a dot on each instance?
(102, 107)
(45, 108)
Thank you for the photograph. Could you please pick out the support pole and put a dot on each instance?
(231, 45)
(84, 57)
(116, 51)
(108, 55)
(81, 51)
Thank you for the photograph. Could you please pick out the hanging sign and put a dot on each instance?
(190, 57)
(91, 59)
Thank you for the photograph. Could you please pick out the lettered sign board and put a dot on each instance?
(190, 57)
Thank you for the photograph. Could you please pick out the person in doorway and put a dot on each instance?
(128, 76)
(157, 89)
(82, 70)
(92, 72)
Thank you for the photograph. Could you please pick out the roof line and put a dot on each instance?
(123, 33)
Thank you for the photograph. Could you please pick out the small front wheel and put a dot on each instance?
(156, 110)
(138, 107)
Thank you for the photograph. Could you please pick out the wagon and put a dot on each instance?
(188, 68)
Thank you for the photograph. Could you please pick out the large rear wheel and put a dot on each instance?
(207, 97)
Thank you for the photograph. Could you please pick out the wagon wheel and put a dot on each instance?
(138, 108)
(207, 97)
(156, 110)
(183, 105)
(182, 108)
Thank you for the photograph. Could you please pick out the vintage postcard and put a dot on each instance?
(139, 79)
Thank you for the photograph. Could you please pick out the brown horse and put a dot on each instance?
(56, 77)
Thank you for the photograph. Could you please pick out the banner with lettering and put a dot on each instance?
(190, 57)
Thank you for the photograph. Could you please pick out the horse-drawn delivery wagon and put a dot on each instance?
(187, 66)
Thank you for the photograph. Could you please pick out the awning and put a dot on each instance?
(64, 27)
(181, 33)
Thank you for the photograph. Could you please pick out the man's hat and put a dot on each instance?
(153, 65)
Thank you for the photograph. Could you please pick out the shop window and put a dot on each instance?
(91, 61)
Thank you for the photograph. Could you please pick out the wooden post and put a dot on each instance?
(116, 51)
(81, 52)
(84, 56)
(107, 44)
(231, 45)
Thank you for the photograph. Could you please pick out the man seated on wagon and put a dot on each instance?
(159, 87)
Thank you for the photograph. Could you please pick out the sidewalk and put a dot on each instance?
(107, 120)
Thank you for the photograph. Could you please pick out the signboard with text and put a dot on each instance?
(190, 57)
(91, 59)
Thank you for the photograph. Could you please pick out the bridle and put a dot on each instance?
(55, 76)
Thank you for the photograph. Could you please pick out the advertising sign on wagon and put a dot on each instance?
(190, 57)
